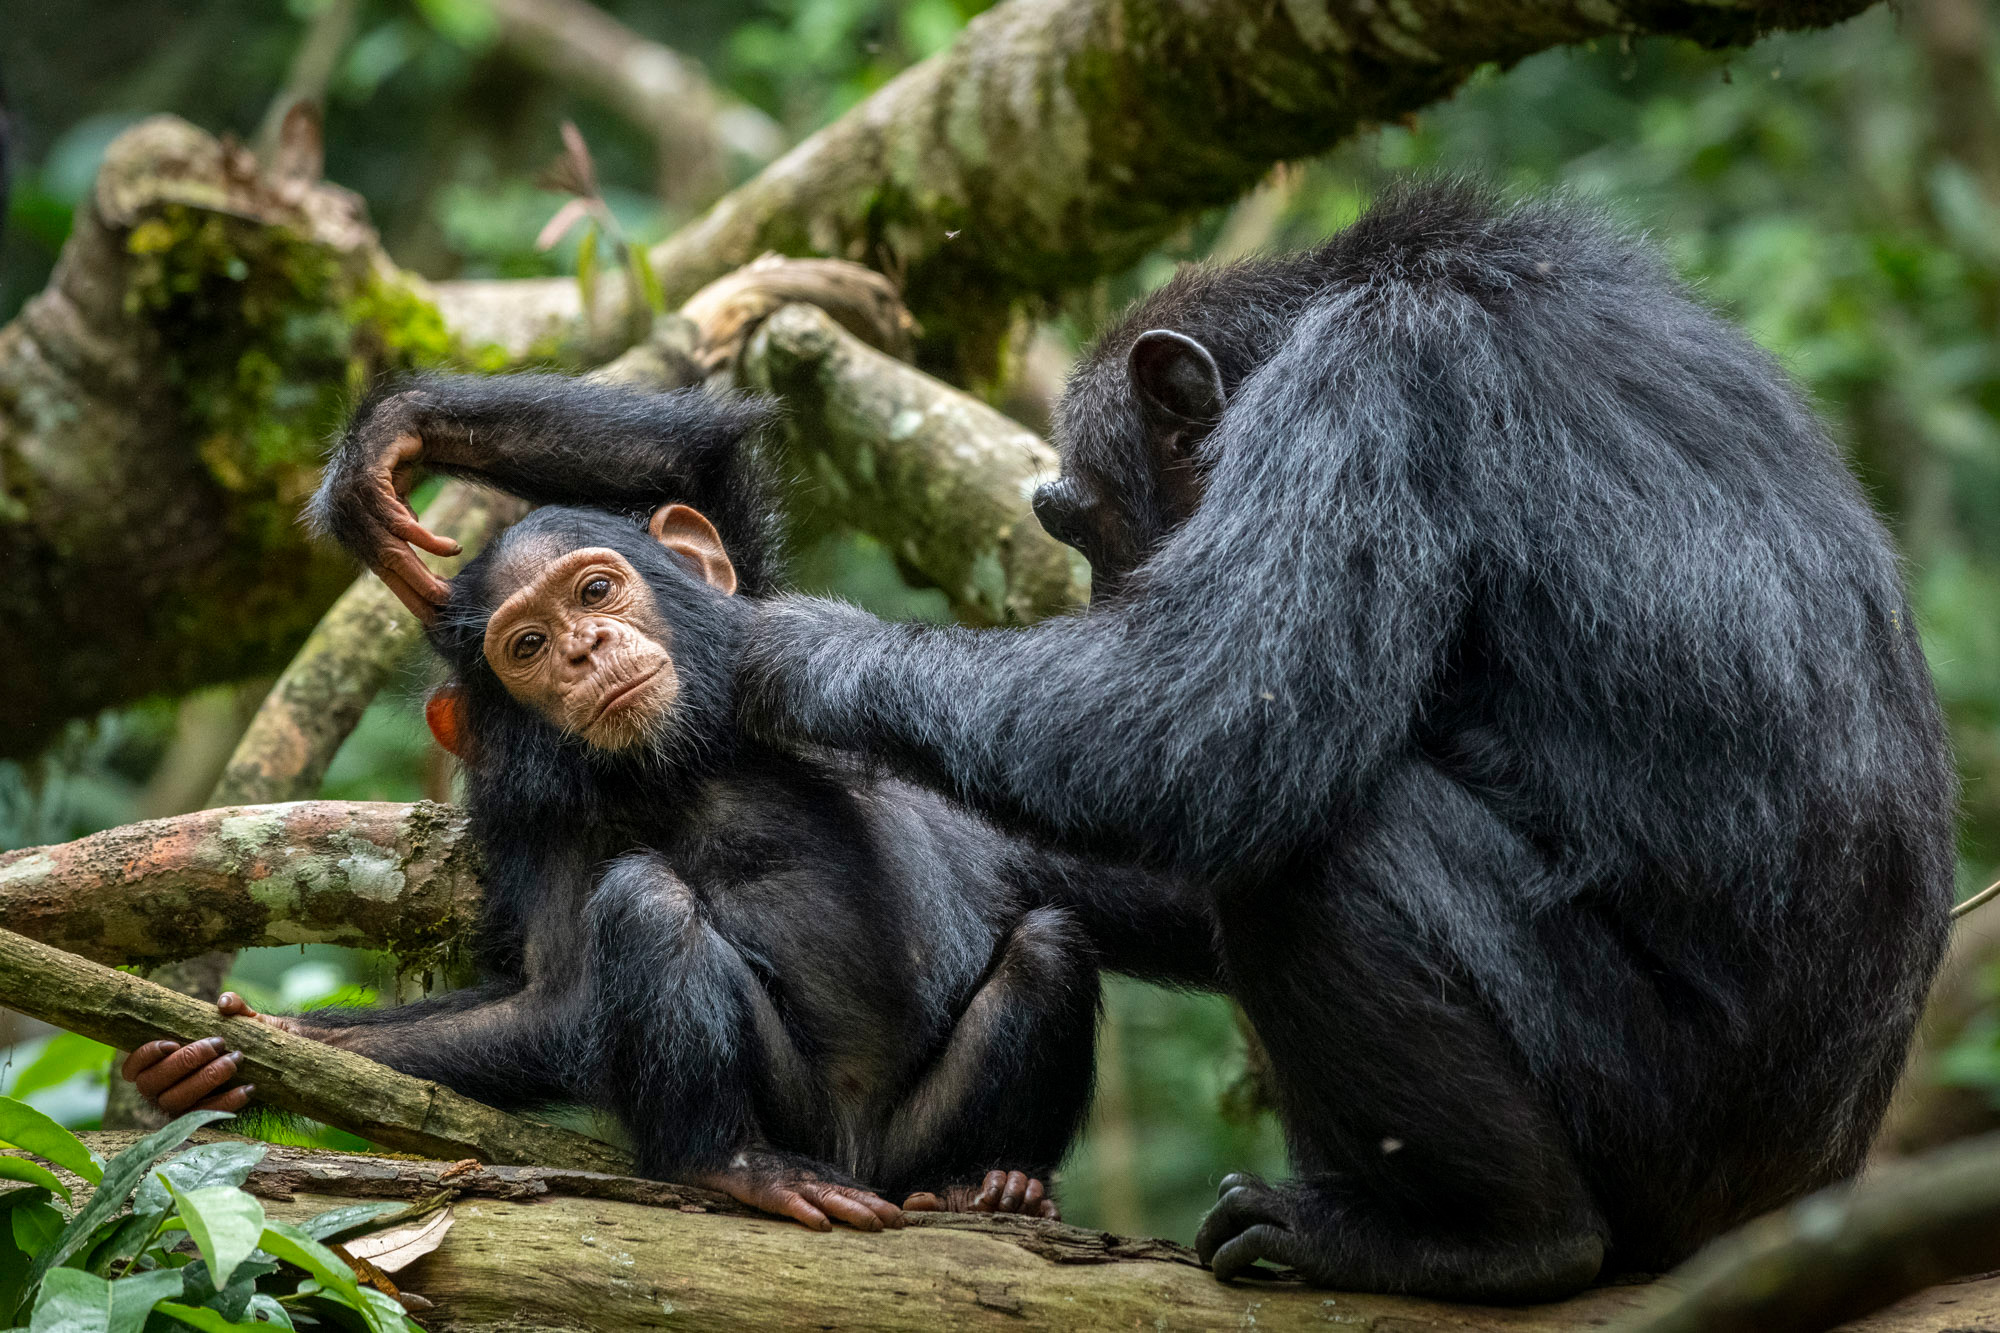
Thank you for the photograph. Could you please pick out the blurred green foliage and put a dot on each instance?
(1816, 188)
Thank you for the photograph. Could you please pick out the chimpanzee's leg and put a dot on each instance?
(1010, 1089)
(1425, 1159)
(687, 1045)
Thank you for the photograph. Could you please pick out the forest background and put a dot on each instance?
(1836, 192)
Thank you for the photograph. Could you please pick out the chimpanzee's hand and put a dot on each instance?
(776, 1183)
(1001, 1192)
(196, 1077)
(364, 503)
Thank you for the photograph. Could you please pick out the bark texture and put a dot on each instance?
(295, 1074)
(162, 408)
(369, 875)
(938, 477)
(1057, 141)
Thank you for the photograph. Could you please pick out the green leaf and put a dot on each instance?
(22, 1126)
(209, 1321)
(72, 1301)
(199, 1167)
(14, 1259)
(36, 1226)
(120, 1178)
(225, 1222)
(268, 1307)
(61, 1059)
(649, 281)
(294, 1246)
(336, 1221)
(123, 1238)
(19, 1168)
(233, 1301)
(586, 265)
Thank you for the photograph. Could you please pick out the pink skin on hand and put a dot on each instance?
(415, 586)
(1000, 1192)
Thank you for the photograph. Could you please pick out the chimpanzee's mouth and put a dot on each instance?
(623, 694)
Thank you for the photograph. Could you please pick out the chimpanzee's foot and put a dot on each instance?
(771, 1183)
(1000, 1192)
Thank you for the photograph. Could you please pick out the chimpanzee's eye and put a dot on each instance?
(596, 591)
(528, 645)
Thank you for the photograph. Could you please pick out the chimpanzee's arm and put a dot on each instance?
(547, 438)
(1230, 707)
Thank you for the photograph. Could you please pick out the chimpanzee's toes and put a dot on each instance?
(1249, 1222)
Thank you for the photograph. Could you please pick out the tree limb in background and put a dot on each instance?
(1844, 1252)
(1058, 140)
(935, 475)
(292, 1073)
(369, 875)
(697, 126)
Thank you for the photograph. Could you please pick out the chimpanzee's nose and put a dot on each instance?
(585, 640)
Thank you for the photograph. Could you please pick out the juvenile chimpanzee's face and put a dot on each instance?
(583, 646)
(581, 639)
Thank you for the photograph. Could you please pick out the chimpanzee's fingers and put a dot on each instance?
(139, 1061)
(789, 1203)
(988, 1196)
(177, 1066)
(233, 1005)
(891, 1215)
(197, 1086)
(407, 526)
(1015, 1189)
(923, 1202)
(398, 559)
(849, 1206)
(1047, 1208)
(235, 1099)
(1031, 1201)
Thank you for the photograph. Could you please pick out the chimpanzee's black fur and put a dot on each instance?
(751, 957)
(1538, 696)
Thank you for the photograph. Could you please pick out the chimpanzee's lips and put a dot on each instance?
(623, 694)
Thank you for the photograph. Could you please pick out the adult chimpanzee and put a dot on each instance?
(1499, 637)
(786, 977)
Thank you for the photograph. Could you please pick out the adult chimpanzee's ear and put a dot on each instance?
(445, 711)
(1175, 375)
(688, 534)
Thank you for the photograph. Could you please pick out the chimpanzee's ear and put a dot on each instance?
(445, 711)
(1176, 376)
(688, 534)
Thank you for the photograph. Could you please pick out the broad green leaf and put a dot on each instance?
(225, 1222)
(36, 1226)
(120, 1178)
(62, 1058)
(72, 1301)
(294, 1246)
(14, 1259)
(133, 1298)
(384, 1313)
(19, 1168)
(209, 1321)
(336, 1221)
(122, 1239)
(233, 1301)
(22, 1126)
(267, 1307)
(203, 1165)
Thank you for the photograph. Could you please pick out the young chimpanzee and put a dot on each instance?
(792, 981)
(1497, 636)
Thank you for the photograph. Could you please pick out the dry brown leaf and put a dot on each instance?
(392, 1251)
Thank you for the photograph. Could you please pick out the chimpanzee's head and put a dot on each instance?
(1140, 404)
(583, 630)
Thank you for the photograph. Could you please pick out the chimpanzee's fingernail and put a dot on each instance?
(236, 1057)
